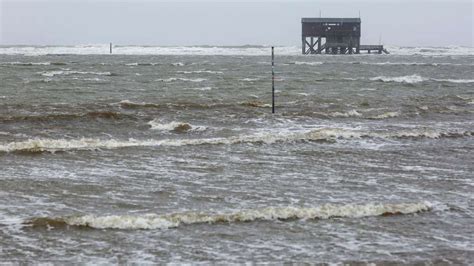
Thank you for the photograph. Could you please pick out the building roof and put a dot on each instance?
(330, 20)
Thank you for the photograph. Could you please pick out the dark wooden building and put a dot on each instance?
(334, 36)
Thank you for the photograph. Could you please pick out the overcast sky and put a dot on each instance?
(195, 22)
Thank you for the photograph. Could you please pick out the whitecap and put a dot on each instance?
(350, 113)
(182, 79)
(216, 50)
(412, 79)
(455, 80)
(321, 134)
(201, 72)
(165, 221)
(308, 63)
(70, 72)
(250, 79)
(386, 115)
(26, 63)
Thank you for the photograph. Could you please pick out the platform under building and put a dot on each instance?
(334, 36)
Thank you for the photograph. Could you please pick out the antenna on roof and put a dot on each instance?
(320, 13)
(359, 13)
(380, 39)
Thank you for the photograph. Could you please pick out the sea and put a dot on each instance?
(172, 155)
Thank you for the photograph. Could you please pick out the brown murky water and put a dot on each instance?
(168, 158)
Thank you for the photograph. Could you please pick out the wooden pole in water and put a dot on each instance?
(273, 80)
(110, 48)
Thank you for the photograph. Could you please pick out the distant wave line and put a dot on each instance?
(213, 50)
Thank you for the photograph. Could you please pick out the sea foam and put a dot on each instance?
(350, 113)
(413, 79)
(165, 221)
(322, 134)
(70, 72)
(201, 72)
(386, 115)
(182, 79)
(216, 50)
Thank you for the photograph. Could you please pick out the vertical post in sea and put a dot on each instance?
(110, 48)
(273, 80)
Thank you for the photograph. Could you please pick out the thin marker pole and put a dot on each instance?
(273, 81)
(110, 48)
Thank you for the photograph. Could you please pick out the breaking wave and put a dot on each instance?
(403, 79)
(350, 113)
(133, 105)
(179, 127)
(165, 221)
(201, 72)
(413, 79)
(212, 50)
(64, 116)
(455, 80)
(126, 104)
(250, 79)
(408, 64)
(34, 63)
(308, 63)
(70, 72)
(182, 79)
(142, 64)
(386, 115)
(323, 134)
(431, 51)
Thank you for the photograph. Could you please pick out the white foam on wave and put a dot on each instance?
(350, 113)
(322, 134)
(182, 79)
(431, 51)
(149, 50)
(409, 64)
(26, 63)
(201, 72)
(413, 79)
(308, 63)
(141, 64)
(386, 115)
(455, 80)
(250, 79)
(174, 126)
(130, 102)
(165, 221)
(90, 79)
(71, 72)
(216, 50)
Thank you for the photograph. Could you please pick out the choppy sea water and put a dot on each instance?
(171, 154)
